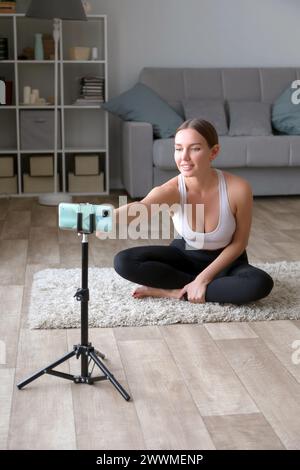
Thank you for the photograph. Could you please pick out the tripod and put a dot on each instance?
(84, 350)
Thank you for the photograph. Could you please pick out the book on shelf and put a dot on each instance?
(88, 102)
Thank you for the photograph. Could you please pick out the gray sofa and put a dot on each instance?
(270, 163)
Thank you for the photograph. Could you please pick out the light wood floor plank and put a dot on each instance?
(211, 381)
(274, 390)
(4, 205)
(232, 330)
(6, 392)
(168, 415)
(43, 246)
(22, 204)
(13, 255)
(137, 333)
(70, 255)
(42, 413)
(16, 225)
(296, 322)
(10, 314)
(242, 432)
(44, 216)
(103, 419)
(279, 336)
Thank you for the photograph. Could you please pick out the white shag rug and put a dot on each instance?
(52, 304)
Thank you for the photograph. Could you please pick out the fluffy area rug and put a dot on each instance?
(52, 303)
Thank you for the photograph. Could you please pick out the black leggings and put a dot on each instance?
(174, 266)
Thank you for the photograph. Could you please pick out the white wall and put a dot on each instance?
(194, 33)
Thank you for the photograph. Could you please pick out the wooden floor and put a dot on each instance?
(210, 386)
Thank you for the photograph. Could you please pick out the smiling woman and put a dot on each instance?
(207, 265)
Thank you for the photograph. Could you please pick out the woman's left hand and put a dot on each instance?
(195, 291)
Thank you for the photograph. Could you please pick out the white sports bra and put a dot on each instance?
(218, 238)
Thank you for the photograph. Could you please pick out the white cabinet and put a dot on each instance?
(26, 130)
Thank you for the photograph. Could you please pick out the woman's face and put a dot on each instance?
(192, 152)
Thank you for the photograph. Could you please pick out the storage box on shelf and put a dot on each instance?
(9, 185)
(86, 171)
(79, 184)
(8, 179)
(39, 184)
(82, 126)
(37, 129)
(86, 165)
(6, 167)
(41, 165)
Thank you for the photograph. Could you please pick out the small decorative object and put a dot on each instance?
(38, 47)
(79, 53)
(26, 94)
(27, 54)
(35, 95)
(3, 48)
(7, 7)
(32, 98)
(41, 101)
(87, 6)
(48, 43)
(94, 53)
(2, 92)
(8, 92)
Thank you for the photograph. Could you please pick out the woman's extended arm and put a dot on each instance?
(147, 207)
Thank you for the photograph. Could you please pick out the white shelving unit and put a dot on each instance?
(84, 128)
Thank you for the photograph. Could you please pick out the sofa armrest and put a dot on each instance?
(137, 157)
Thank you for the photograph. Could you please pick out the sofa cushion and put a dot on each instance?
(237, 152)
(163, 154)
(286, 113)
(249, 118)
(142, 104)
(210, 110)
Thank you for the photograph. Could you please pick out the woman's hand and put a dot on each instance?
(195, 291)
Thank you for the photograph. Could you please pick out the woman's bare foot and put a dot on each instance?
(145, 291)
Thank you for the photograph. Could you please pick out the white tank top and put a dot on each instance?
(218, 238)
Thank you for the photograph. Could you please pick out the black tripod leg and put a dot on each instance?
(46, 369)
(110, 377)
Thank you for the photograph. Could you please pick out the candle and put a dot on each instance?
(26, 94)
(32, 98)
(36, 94)
(94, 53)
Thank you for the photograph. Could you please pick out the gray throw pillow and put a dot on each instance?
(249, 118)
(142, 104)
(286, 114)
(210, 110)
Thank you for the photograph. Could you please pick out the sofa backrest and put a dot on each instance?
(253, 84)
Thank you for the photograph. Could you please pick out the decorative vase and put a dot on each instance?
(87, 6)
(38, 47)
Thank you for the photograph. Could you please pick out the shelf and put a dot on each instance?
(36, 107)
(53, 61)
(74, 106)
(23, 15)
(8, 151)
(85, 150)
(83, 61)
(38, 152)
(80, 126)
(35, 61)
